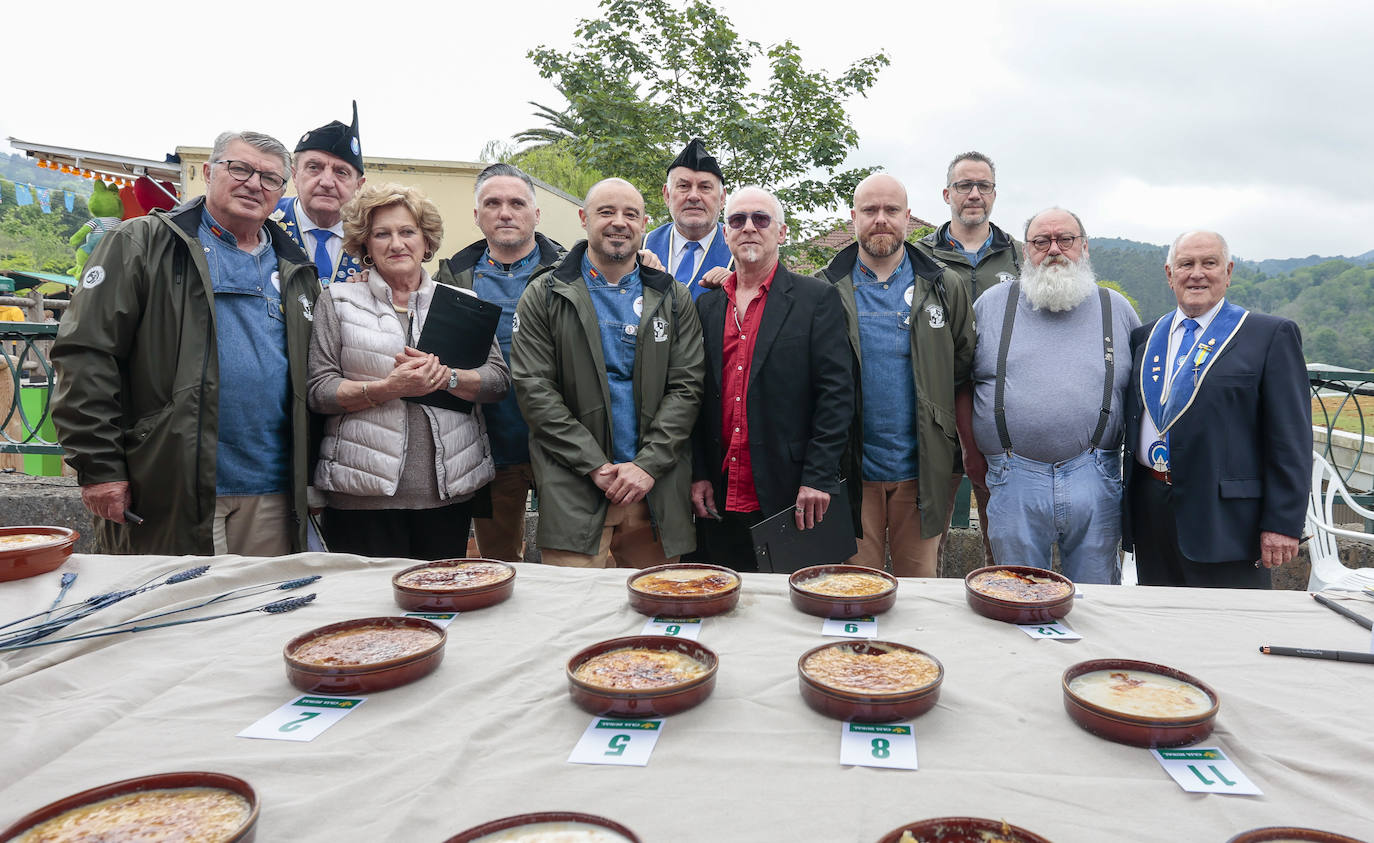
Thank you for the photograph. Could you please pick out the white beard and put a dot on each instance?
(1058, 286)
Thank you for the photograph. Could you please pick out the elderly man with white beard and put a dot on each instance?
(1042, 424)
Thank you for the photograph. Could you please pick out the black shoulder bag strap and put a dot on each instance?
(1108, 359)
(999, 410)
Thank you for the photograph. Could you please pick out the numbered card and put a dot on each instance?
(439, 619)
(1205, 769)
(302, 719)
(861, 627)
(688, 628)
(624, 742)
(890, 745)
(1050, 630)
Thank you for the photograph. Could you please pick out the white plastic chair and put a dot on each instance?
(1328, 572)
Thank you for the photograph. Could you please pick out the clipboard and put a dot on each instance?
(780, 548)
(458, 330)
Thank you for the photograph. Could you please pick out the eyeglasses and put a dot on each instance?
(1065, 241)
(242, 172)
(967, 187)
(758, 218)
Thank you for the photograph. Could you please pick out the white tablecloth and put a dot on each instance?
(488, 734)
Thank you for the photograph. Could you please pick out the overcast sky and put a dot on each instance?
(1147, 118)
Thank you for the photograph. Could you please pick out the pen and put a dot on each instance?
(132, 518)
(1341, 610)
(1334, 655)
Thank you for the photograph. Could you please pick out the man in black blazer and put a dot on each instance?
(1218, 433)
(779, 397)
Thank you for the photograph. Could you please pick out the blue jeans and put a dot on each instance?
(1076, 503)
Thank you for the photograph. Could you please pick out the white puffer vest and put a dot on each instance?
(362, 452)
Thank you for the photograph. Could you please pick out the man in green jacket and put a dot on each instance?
(181, 370)
(979, 255)
(607, 361)
(910, 329)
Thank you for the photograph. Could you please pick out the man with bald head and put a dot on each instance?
(1047, 410)
(1219, 433)
(910, 327)
(779, 390)
(606, 357)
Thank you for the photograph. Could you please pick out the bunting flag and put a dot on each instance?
(22, 195)
(69, 199)
(44, 198)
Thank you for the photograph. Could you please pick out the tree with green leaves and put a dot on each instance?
(647, 76)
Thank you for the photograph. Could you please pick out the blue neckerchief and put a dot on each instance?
(1187, 378)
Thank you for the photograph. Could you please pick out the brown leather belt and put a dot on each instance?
(1165, 477)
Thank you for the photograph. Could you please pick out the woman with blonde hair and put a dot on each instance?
(399, 476)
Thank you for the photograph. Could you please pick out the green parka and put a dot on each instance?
(137, 394)
(942, 341)
(1001, 263)
(559, 374)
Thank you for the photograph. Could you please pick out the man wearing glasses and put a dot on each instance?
(1050, 371)
(181, 370)
(328, 171)
(779, 390)
(980, 255)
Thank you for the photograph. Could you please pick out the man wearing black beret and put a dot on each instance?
(328, 171)
(692, 246)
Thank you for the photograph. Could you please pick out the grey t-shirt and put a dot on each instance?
(1054, 375)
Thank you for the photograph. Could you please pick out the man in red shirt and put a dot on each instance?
(779, 392)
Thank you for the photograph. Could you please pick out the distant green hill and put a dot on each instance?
(1331, 299)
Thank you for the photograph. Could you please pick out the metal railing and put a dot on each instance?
(24, 350)
(1343, 404)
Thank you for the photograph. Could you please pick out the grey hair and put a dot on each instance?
(266, 144)
(971, 155)
(777, 203)
(1082, 232)
(503, 169)
(1173, 247)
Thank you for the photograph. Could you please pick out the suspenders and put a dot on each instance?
(999, 410)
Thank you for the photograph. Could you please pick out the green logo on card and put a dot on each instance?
(433, 616)
(677, 620)
(879, 730)
(326, 702)
(1191, 754)
(646, 725)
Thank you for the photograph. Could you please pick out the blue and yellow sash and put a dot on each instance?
(1187, 376)
(346, 265)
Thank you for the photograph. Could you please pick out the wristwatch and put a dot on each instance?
(452, 378)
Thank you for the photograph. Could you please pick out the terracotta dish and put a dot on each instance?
(684, 590)
(591, 690)
(1290, 834)
(1139, 703)
(364, 655)
(842, 591)
(161, 781)
(906, 681)
(29, 551)
(491, 831)
(961, 830)
(1019, 593)
(453, 585)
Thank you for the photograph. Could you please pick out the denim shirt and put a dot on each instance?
(618, 307)
(974, 258)
(493, 282)
(253, 456)
(889, 390)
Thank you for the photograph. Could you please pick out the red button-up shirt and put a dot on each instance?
(738, 354)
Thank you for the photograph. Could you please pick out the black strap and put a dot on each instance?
(999, 410)
(1110, 365)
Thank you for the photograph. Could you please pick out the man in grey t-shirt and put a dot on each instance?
(1052, 456)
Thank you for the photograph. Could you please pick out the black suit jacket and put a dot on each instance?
(800, 396)
(1241, 456)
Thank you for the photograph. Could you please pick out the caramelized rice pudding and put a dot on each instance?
(685, 582)
(15, 540)
(365, 645)
(457, 576)
(1022, 588)
(174, 815)
(554, 832)
(639, 669)
(893, 671)
(845, 585)
(1140, 693)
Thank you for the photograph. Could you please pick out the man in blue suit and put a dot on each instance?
(692, 246)
(328, 171)
(1219, 433)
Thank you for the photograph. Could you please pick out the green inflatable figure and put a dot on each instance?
(107, 211)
